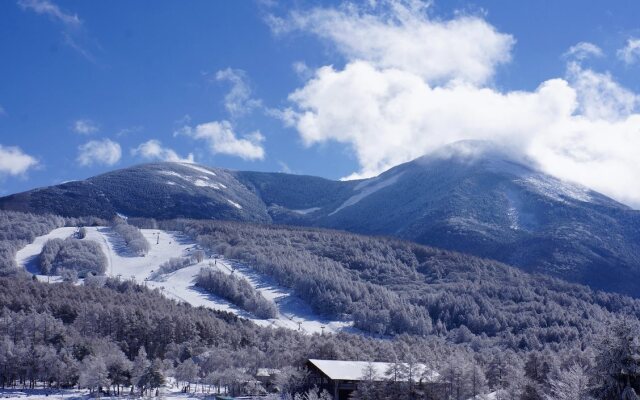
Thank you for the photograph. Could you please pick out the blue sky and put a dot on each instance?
(332, 89)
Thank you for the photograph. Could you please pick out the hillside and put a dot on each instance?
(392, 287)
(179, 283)
(474, 320)
(468, 197)
(384, 286)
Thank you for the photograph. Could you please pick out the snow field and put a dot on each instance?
(293, 313)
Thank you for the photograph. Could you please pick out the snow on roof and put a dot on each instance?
(357, 370)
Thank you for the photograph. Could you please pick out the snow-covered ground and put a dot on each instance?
(168, 392)
(367, 188)
(293, 312)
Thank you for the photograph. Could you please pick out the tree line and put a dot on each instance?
(236, 290)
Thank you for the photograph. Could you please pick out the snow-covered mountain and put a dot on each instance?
(468, 197)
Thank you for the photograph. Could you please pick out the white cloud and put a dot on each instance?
(49, 8)
(153, 150)
(583, 127)
(13, 161)
(96, 152)
(221, 139)
(630, 53)
(584, 50)
(73, 32)
(401, 34)
(302, 70)
(238, 100)
(284, 167)
(85, 127)
(599, 95)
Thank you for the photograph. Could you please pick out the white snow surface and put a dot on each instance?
(203, 183)
(233, 203)
(367, 188)
(306, 210)
(557, 190)
(199, 180)
(293, 313)
(170, 391)
(198, 168)
(355, 370)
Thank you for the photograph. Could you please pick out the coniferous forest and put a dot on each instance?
(482, 325)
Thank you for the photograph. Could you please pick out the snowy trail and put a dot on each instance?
(293, 313)
(26, 257)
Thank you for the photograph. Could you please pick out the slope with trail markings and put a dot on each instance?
(293, 313)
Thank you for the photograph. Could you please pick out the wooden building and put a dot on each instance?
(341, 378)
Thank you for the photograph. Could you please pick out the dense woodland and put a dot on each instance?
(390, 286)
(482, 325)
(82, 257)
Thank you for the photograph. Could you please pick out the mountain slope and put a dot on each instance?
(493, 207)
(468, 197)
(162, 190)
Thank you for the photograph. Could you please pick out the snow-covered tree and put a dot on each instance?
(93, 374)
(314, 394)
(119, 369)
(570, 384)
(187, 373)
(140, 366)
(617, 369)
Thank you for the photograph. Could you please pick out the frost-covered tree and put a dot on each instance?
(138, 370)
(237, 290)
(314, 394)
(570, 384)
(82, 256)
(119, 369)
(153, 377)
(132, 237)
(187, 372)
(617, 364)
(94, 375)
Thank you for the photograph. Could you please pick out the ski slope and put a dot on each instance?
(293, 313)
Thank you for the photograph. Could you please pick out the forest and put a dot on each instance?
(80, 256)
(392, 287)
(483, 326)
(237, 290)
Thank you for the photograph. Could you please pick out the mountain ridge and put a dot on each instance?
(468, 197)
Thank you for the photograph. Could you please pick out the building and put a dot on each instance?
(341, 378)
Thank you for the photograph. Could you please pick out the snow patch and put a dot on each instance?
(556, 190)
(198, 168)
(172, 173)
(306, 210)
(28, 255)
(202, 183)
(366, 189)
(236, 205)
